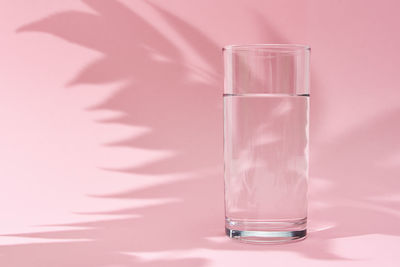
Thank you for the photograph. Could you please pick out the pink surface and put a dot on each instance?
(111, 131)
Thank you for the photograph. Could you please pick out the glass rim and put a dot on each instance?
(277, 48)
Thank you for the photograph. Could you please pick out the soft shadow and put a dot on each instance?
(184, 116)
(362, 177)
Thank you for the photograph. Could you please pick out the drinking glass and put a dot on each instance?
(266, 121)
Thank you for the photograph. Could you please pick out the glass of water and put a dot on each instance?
(266, 121)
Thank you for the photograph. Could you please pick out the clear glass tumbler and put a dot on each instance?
(266, 121)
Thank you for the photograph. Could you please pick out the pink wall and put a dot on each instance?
(111, 131)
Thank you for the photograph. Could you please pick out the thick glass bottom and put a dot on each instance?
(266, 232)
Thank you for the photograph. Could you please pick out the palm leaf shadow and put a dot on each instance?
(182, 115)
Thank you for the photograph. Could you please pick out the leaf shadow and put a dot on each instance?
(181, 113)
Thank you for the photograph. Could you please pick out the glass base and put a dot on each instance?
(266, 232)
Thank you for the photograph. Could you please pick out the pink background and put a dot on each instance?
(111, 131)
